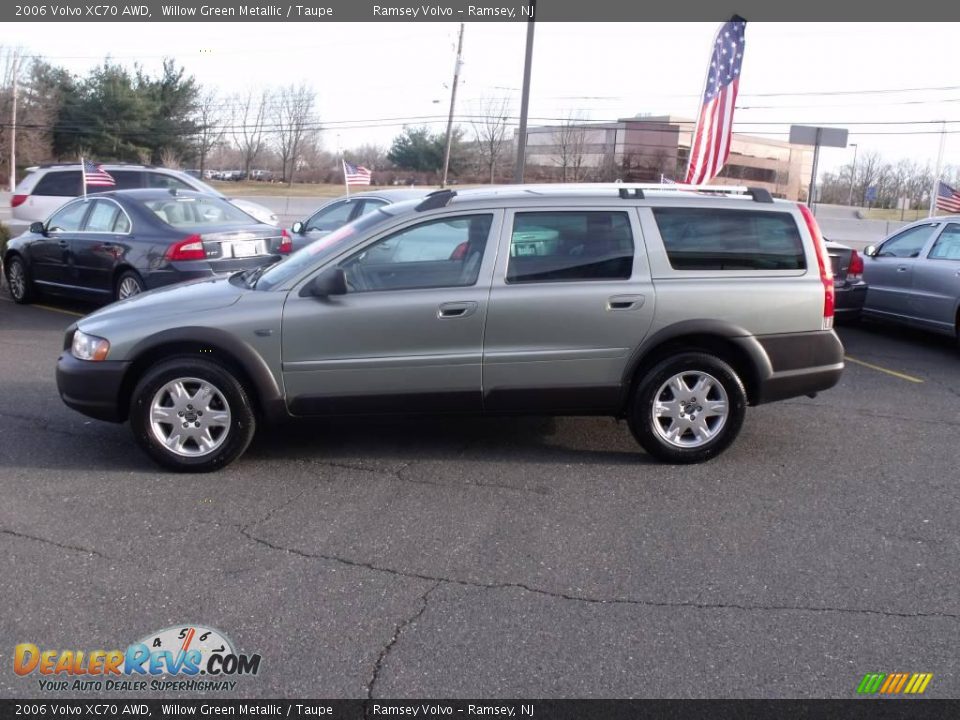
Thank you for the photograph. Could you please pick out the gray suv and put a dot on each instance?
(671, 307)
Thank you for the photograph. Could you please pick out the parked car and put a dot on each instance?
(914, 276)
(47, 187)
(113, 245)
(672, 309)
(848, 280)
(344, 209)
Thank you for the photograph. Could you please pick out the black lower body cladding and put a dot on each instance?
(800, 364)
(92, 388)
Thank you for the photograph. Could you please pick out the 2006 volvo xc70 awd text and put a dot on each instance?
(672, 307)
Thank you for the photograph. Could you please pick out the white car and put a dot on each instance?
(45, 188)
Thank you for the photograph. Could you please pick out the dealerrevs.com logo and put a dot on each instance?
(179, 658)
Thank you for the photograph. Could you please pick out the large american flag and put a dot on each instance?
(948, 199)
(355, 174)
(710, 147)
(96, 176)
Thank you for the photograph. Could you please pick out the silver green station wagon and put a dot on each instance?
(673, 307)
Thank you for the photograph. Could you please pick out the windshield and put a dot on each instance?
(318, 250)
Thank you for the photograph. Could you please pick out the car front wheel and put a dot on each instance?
(688, 408)
(191, 415)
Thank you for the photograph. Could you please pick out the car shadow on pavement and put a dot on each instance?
(451, 438)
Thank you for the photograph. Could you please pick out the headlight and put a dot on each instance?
(89, 347)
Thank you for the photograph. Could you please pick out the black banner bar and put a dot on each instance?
(124, 709)
(468, 11)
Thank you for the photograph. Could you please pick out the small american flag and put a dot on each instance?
(96, 176)
(710, 147)
(355, 174)
(948, 199)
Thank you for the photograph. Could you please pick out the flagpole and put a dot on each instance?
(934, 191)
(346, 184)
(83, 177)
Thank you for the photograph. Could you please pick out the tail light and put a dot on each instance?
(826, 270)
(190, 248)
(855, 269)
(18, 200)
(286, 242)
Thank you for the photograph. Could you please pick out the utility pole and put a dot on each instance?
(525, 100)
(13, 126)
(853, 174)
(936, 175)
(453, 101)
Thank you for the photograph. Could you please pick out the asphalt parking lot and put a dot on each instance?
(488, 558)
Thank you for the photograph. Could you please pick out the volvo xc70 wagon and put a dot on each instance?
(672, 307)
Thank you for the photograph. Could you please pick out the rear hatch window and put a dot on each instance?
(714, 239)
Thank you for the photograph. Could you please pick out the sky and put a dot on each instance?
(890, 84)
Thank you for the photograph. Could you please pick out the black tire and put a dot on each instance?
(128, 284)
(231, 435)
(19, 283)
(694, 441)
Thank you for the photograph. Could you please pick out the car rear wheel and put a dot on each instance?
(688, 408)
(18, 281)
(128, 285)
(191, 415)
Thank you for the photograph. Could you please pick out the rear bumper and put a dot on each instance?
(849, 299)
(799, 364)
(92, 388)
(186, 270)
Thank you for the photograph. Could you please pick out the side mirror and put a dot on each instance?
(298, 227)
(37, 228)
(332, 281)
(870, 250)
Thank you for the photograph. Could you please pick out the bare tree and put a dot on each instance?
(210, 126)
(372, 157)
(294, 118)
(491, 133)
(249, 116)
(570, 141)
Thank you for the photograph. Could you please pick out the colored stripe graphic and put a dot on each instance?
(894, 683)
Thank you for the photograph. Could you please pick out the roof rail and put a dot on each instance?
(761, 195)
(436, 199)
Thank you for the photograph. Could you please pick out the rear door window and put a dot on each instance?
(570, 245)
(102, 217)
(711, 239)
(947, 246)
(160, 180)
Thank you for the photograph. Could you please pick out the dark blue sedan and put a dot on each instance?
(112, 245)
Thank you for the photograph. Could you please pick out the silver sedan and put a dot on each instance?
(914, 276)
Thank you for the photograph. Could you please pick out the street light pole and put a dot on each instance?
(853, 174)
(13, 126)
(453, 100)
(521, 161)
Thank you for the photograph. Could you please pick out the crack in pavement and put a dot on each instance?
(678, 604)
(397, 632)
(75, 548)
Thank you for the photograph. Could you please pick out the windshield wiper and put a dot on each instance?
(250, 277)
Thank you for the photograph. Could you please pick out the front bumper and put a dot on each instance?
(92, 388)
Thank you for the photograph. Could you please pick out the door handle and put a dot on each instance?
(456, 309)
(902, 268)
(625, 302)
(63, 243)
